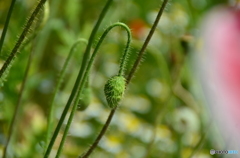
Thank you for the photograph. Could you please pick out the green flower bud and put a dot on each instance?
(114, 90)
(85, 99)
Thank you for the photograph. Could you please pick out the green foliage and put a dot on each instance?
(162, 113)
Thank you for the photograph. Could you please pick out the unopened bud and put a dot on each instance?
(114, 90)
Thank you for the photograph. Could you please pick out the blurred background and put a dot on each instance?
(163, 112)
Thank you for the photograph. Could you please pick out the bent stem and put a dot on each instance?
(59, 82)
(6, 24)
(86, 74)
(86, 55)
(133, 70)
(20, 40)
(79, 77)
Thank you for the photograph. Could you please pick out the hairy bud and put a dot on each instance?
(114, 90)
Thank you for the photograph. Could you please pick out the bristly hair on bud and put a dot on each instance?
(114, 90)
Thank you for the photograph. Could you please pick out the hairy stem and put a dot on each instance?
(79, 77)
(6, 24)
(59, 82)
(141, 52)
(20, 40)
(17, 108)
(86, 74)
(101, 134)
(140, 55)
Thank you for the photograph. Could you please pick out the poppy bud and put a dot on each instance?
(114, 90)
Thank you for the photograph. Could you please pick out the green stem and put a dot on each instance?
(42, 20)
(86, 55)
(59, 82)
(6, 24)
(86, 74)
(20, 40)
(128, 81)
(79, 77)
(141, 52)
(17, 108)
(101, 134)
(125, 55)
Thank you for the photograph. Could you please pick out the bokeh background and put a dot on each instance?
(163, 112)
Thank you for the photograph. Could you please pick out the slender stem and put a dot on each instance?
(20, 40)
(141, 52)
(59, 82)
(79, 77)
(128, 81)
(6, 24)
(86, 74)
(126, 52)
(17, 108)
(42, 20)
(86, 55)
(125, 55)
(101, 134)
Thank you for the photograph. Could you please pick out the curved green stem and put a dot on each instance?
(141, 52)
(59, 82)
(86, 55)
(79, 77)
(20, 40)
(133, 70)
(123, 59)
(6, 24)
(86, 74)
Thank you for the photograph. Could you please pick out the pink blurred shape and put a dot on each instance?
(219, 58)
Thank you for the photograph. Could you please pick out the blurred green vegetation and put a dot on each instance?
(162, 113)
